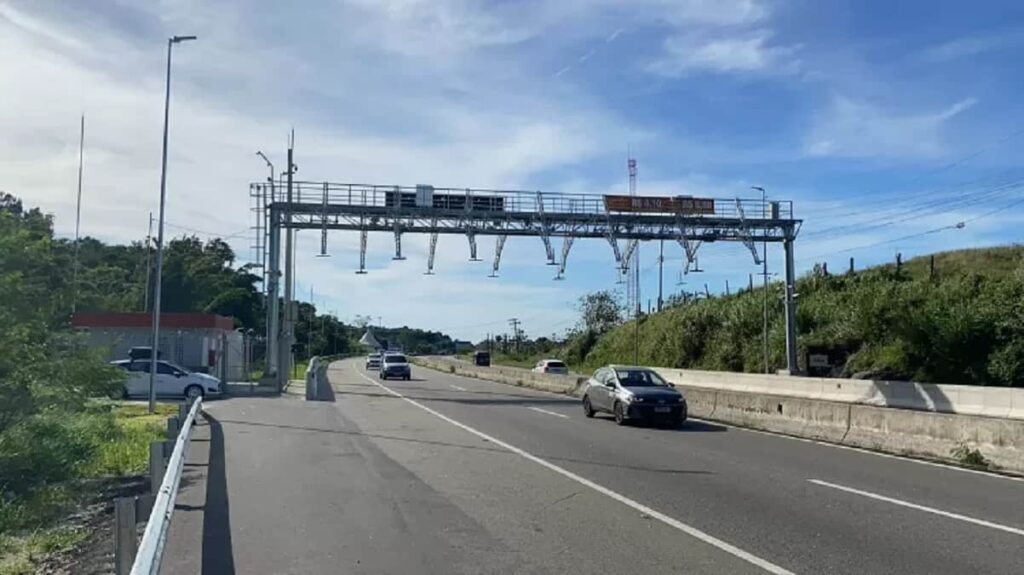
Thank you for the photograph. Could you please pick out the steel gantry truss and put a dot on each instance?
(399, 210)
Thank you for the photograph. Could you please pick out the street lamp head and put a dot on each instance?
(178, 39)
(758, 188)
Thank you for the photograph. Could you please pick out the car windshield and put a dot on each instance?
(556, 364)
(639, 378)
(395, 359)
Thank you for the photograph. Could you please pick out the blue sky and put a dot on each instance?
(882, 121)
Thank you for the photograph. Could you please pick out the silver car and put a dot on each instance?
(633, 394)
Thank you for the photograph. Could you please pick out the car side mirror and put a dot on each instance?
(610, 384)
(179, 374)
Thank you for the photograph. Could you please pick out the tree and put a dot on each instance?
(600, 312)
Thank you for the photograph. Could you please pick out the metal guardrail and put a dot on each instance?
(151, 547)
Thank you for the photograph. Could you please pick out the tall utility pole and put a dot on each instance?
(78, 217)
(514, 322)
(764, 273)
(284, 366)
(149, 268)
(309, 337)
(661, 271)
(273, 318)
(154, 349)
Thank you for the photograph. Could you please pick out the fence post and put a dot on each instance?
(173, 427)
(183, 410)
(156, 466)
(125, 542)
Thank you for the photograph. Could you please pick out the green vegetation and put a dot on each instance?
(58, 430)
(963, 324)
(18, 554)
(105, 439)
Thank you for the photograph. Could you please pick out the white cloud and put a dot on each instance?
(231, 97)
(850, 128)
(968, 46)
(749, 52)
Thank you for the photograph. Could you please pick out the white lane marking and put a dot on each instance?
(902, 503)
(453, 386)
(539, 410)
(805, 440)
(671, 522)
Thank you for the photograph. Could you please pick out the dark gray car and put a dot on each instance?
(633, 393)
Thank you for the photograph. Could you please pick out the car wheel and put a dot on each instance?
(124, 393)
(588, 409)
(408, 377)
(193, 392)
(620, 416)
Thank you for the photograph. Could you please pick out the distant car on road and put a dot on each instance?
(633, 393)
(171, 380)
(373, 361)
(555, 366)
(395, 365)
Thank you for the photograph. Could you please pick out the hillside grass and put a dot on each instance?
(965, 325)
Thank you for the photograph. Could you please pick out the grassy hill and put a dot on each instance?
(963, 324)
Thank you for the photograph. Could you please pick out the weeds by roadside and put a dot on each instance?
(966, 455)
(52, 470)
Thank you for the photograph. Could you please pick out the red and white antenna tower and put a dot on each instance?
(633, 265)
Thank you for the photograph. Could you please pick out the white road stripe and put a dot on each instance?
(453, 386)
(689, 530)
(815, 441)
(902, 503)
(539, 410)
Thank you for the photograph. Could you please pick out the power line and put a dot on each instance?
(934, 207)
(206, 233)
(959, 161)
(959, 225)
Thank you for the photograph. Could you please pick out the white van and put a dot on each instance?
(171, 380)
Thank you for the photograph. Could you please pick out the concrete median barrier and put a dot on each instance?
(895, 417)
(567, 384)
(939, 398)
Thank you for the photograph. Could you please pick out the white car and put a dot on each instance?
(171, 380)
(373, 361)
(395, 365)
(554, 366)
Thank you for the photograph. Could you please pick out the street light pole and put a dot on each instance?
(764, 275)
(271, 289)
(153, 351)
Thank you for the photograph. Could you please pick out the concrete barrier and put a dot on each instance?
(939, 398)
(884, 416)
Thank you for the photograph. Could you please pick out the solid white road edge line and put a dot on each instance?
(691, 531)
(539, 410)
(902, 503)
(804, 439)
(453, 386)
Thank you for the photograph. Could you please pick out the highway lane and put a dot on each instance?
(806, 507)
(373, 484)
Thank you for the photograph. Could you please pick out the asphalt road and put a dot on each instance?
(446, 474)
